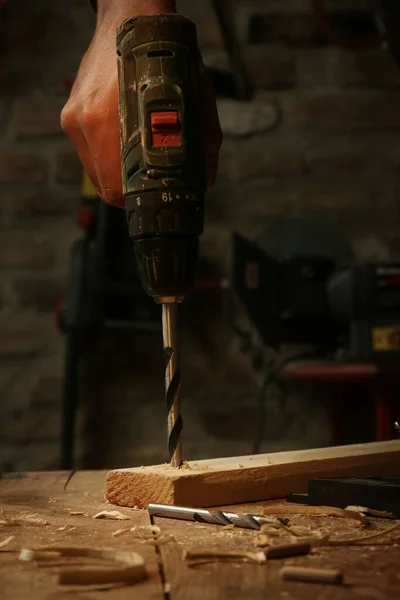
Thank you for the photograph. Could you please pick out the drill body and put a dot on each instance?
(163, 159)
(163, 173)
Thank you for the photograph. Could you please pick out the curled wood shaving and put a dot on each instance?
(186, 466)
(199, 557)
(10, 523)
(4, 543)
(33, 519)
(315, 540)
(371, 512)
(139, 530)
(111, 514)
(262, 540)
(316, 511)
(362, 538)
(132, 570)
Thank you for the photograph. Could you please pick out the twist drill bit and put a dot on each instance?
(217, 517)
(172, 382)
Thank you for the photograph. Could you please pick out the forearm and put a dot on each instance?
(130, 8)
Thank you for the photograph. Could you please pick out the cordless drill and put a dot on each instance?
(163, 172)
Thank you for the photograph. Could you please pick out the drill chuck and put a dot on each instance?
(163, 159)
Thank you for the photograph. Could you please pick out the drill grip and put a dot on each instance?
(163, 159)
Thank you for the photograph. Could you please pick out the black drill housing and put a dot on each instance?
(164, 183)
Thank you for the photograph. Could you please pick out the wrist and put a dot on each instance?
(124, 9)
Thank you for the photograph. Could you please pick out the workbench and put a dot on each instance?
(38, 509)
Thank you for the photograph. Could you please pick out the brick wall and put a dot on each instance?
(320, 139)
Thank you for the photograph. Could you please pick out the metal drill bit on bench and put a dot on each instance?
(172, 382)
(217, 517)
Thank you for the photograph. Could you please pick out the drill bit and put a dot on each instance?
(172, 382)
(216, 517)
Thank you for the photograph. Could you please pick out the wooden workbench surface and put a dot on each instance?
(36, 509)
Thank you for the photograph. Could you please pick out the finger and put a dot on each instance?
(74, 131)
(101, 131)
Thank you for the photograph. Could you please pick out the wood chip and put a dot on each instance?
(199, 557)
(4, 543)
(362, 538)
(132, 570)
(141, 530)
(114, 515)
(312, 575)
(371, 512)
(262, 540)
(315, 511)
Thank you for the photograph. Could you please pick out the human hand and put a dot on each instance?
(91, 118)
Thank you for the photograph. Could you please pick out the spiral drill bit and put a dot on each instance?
(216, 517)
(172, 382)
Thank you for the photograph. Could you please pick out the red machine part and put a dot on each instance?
(165, 129)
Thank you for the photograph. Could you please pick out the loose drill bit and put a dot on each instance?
(216, 517)
(172, 382)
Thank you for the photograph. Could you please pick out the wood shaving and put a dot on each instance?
(315, 511)
(111, 514)
(78, 513)
(4, 543)
(132, 570)
(186, 466)
(362, 538)
(271, 531)
(201, 557)
(164, 538)
(315, 541)
(142, 531)
(262, 541)
(118, 532)
(72, 529)
(61, 528)
(33, 519)
(10, 523)
(371, 512)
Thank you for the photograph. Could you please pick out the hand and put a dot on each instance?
(91, 118)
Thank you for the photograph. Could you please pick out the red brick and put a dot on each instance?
(342, 112)
(19, 343)
(69, 168)
(41, 203)
(38, 118)
(39, 293)
(22, 254)
(20, 167)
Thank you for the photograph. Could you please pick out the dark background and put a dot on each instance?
(320, 139)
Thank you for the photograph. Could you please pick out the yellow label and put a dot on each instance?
(386, 338)
(88, 189)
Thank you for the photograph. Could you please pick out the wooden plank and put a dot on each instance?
(249, 478)
(40, 498)
(376, 566)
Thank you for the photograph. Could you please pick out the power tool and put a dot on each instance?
(163, 172)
